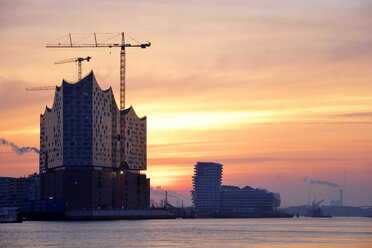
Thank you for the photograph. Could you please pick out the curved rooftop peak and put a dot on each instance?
(86, 77)
(126, 111)
(46, 110)
(90, 77)
(130, 109)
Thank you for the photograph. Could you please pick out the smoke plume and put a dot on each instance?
(312, 181)
(330, 184)
(17, 149)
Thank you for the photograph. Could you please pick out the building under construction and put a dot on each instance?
(80, 157)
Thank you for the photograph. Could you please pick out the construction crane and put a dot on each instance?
(41, 88)
(78, 60)
(122, 47)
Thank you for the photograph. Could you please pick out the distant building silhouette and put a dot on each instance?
(207, 184)
(247, 199)
(210, 198)
(80, 150)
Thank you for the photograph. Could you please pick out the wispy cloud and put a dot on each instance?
(354, 115)
(13, 94)
(246, 160)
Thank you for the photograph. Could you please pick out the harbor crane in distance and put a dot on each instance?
(314, 210)
(78, 60)
(122, 47)
(316, 204)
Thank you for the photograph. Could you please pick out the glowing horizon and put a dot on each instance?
(274, 91)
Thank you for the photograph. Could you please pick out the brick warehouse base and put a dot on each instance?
(98, 188)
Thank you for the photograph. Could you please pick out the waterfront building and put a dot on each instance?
(80, 150)
(211, 198)
(247, 200)
(206, 187)
(15, 191)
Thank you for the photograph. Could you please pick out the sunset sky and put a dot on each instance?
(276, 91)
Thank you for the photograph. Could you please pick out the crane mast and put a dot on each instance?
(122, 72)
(122, 103)
(122, 46)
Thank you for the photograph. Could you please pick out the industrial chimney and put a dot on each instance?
(341, 198)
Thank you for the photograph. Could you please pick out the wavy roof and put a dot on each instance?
(126, 111)
(93, 78)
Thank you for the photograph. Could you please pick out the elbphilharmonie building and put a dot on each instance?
(80, 149)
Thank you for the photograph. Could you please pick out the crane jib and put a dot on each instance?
(94, 45)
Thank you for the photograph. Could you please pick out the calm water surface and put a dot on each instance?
(301, 232)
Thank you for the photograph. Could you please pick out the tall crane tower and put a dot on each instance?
(122, 47)
(78, 60)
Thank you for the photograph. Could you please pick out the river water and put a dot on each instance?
(296, 232)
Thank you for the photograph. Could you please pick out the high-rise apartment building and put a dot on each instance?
(207, 185)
